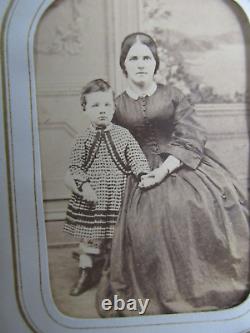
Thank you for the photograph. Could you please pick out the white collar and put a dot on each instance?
(149, 92)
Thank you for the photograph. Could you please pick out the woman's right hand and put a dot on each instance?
(153, 178)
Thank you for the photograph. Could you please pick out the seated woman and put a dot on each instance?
(182, 239)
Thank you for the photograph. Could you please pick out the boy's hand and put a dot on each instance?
(88, 193)
(75, 189)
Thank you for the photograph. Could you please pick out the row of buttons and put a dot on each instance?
(151, 135)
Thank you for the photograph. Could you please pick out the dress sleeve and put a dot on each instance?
(77, 160)
(188, 138)
(136, 158)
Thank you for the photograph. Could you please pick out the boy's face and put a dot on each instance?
(100, 107)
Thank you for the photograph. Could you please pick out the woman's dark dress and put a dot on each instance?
(184, 244)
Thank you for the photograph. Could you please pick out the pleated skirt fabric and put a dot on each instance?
(183, 244)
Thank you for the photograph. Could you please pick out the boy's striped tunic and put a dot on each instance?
(105, 157)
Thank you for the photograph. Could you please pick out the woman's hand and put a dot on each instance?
(153, 178)
(89, 193)
(156, 176)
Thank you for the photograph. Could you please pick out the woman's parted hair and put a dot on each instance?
(130, 40)
(94, 86)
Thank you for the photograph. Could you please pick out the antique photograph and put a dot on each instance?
(142, 109)
(125, 166)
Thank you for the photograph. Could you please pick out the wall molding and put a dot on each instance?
(223, 110)
(61, 125)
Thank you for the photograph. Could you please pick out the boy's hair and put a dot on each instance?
(94, 86)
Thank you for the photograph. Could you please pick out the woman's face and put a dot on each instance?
(140, 64)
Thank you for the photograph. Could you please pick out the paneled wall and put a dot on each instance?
(227, 132)
(78, 41)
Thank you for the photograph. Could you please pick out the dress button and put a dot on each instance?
(224, 196)
(242, 202)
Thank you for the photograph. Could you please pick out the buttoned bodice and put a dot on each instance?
(162, 123)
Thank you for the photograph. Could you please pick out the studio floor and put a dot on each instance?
(63, 273)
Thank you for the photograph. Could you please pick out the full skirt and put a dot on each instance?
(183, 244)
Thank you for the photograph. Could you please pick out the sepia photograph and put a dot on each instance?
(132, 144)
(179, 181)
